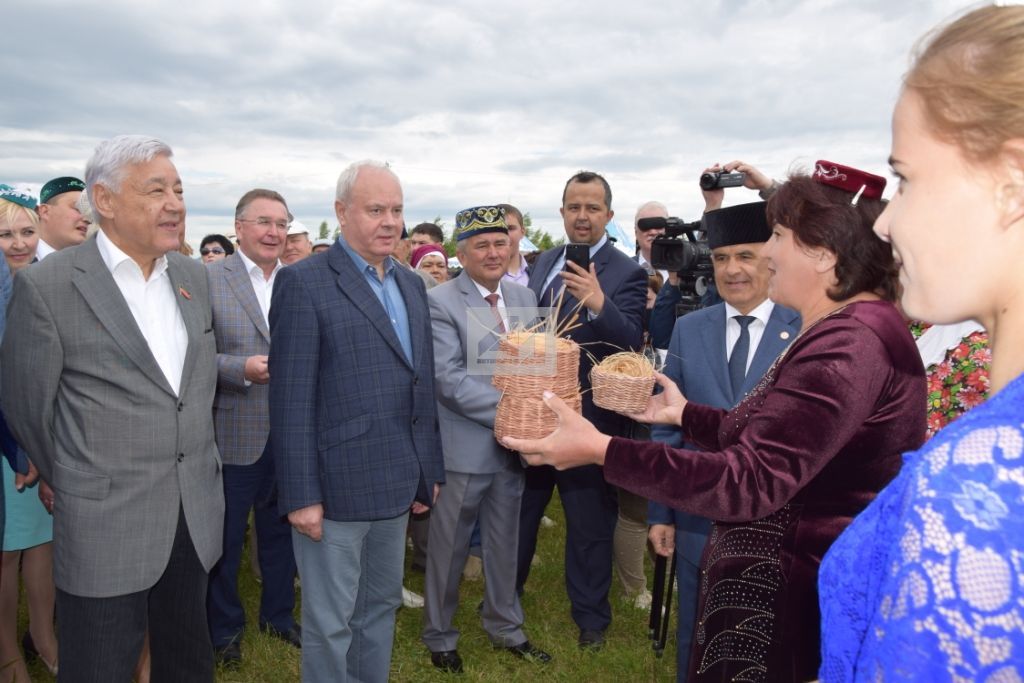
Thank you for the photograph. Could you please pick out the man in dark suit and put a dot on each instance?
(353, 426)
(717, 355)
(483, 479)
(109, 372)
(611, 296)
(240, 290)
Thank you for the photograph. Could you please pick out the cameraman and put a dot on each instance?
(663, 315)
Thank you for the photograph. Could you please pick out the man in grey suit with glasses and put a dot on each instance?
(109, 371)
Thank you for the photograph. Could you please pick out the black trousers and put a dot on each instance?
(101, 638)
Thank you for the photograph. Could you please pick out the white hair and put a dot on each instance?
(107, 165)
(650, 205)
(347, 179)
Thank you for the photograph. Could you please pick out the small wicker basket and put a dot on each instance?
(623, 382)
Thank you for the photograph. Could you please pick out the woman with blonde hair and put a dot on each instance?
(28, 527)
(928, 583)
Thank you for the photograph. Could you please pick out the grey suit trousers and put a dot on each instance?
(494, 499)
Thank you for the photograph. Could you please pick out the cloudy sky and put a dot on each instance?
(470, 102)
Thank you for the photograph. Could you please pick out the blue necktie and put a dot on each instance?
(740, 351)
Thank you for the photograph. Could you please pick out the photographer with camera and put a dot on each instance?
(713, 181)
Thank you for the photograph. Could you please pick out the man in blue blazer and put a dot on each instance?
(610, 297)
(353, 426)
(716, 356)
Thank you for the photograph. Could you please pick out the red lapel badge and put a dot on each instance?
(184, 293)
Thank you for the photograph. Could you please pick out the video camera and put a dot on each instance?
(683, 249)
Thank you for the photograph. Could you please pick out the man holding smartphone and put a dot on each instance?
(609, 289)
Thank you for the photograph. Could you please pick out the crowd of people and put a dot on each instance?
(832, 454)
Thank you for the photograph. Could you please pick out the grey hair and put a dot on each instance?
(650, 205)
(107, 165)
(347, 179)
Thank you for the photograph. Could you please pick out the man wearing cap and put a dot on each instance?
(607, 301)
(717, 355)
(322, 244)
(353, 426)
(298, 245)
(61, 225)
(240, 291)
(483, 479)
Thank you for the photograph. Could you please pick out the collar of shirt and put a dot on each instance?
(762, 312)
(115, 259)
(43, 250)
(484, 292)
(253, 269)
(361, 263)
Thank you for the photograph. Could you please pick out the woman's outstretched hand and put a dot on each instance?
(664, 408)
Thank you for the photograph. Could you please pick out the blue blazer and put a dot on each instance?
(353, 424)
(698, 364)
(619, 327)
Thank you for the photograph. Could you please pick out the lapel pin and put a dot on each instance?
(184, 293)
(784, 334)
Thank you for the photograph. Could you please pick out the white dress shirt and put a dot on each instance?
(43, 250)
(756, 327)
(154, 306)
(263, 287)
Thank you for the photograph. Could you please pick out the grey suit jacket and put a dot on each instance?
(466, 400)
(241, 414)
(84, 395)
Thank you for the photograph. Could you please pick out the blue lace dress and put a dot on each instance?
(927, 584)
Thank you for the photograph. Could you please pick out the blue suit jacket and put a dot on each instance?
(619, 327)
(353, 424)
(698, 364)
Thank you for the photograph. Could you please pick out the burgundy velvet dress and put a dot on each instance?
(787, 470)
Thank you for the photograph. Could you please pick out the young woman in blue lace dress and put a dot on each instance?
(927, 584)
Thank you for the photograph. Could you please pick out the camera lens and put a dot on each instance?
(709, 181)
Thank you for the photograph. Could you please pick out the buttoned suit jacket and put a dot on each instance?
(353, 422)
(698, 364)
(85, 396)
(466, 398)
(241, 413)
(619, 327)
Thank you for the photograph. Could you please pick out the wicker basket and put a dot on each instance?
(620, 393)
(528, 418)
(523, 372)
(524, 367)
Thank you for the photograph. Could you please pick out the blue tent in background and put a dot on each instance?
(625, 240)
(526, 246)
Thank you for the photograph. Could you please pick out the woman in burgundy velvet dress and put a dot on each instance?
(787, 469)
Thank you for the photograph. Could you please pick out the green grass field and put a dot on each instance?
(626, 657)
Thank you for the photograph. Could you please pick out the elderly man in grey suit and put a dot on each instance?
(240, 291)
(109, 371)
(484, 479)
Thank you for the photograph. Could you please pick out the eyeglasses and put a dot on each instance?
(206, 252)
(265, 222)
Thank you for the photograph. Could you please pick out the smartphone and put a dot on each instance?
(578, 254)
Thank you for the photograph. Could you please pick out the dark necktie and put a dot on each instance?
(492, 299)
(740, 351)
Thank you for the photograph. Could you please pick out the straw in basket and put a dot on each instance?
(623, 382)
